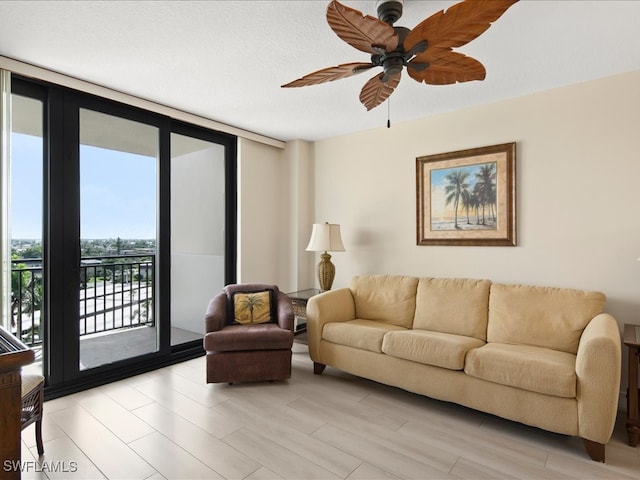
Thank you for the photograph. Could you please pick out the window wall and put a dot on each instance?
(136, 215)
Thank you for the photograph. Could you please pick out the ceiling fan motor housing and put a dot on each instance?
(389, 10)
(393, 62)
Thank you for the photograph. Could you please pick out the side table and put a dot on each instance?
(299, 300)
(632, 341)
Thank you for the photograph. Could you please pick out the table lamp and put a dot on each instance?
(325, 237)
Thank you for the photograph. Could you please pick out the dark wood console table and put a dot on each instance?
(632, 341)
(13, 356)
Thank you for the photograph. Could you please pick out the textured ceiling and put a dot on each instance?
(225, 60)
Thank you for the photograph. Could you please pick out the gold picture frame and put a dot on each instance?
(467, 197)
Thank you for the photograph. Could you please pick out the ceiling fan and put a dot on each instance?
(426, 51)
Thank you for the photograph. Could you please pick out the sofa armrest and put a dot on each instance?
(331, 306)
(598, 368)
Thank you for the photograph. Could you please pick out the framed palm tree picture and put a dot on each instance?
(467, 197)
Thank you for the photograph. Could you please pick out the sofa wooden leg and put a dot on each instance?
(594, 449)
(318, 368)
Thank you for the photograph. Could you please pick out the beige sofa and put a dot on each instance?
(546, 357)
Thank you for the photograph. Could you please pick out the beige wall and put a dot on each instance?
(578, 168)
(299, 207)
(577, 178)
(275, 214)
(259, 202)
(578, 172)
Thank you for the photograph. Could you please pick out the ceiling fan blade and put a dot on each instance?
(329, 74)
(451, 67)
(363, 32)
(460, 24)
(375, 91)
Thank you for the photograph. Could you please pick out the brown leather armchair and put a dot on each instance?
(239, 350)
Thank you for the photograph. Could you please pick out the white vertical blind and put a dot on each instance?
(5, 149)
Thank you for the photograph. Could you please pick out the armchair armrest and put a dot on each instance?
(285, 311)
(331, 306)
(216, 315)
(598, 368)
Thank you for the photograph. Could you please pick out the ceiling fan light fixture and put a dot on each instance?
(389, 11)
(392, 65)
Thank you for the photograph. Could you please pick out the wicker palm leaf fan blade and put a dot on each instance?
(458, 25)
(377, 90)
(426, 51)
(448, 68)
(363, 32)
(331, 73)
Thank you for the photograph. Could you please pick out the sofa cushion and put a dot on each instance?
(530, 368)
(453, 305)
(432, 348)
(362, 334)
(541, 316)
(386, 298)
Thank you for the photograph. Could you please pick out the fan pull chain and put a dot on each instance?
(388, 113)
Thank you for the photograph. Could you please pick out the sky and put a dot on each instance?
(26, 187)
(118, 192)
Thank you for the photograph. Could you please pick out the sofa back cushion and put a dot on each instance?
(453, 305)
(541, 316)
(385, 298)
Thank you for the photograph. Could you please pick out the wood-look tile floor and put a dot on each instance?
(170, 424)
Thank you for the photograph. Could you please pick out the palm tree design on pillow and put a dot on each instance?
(251, 302)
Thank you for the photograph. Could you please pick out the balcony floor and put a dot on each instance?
(109, 347)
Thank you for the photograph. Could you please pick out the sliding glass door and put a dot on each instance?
(119, 161)
(130, 219)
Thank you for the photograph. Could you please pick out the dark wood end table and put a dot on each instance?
(299, 300)
(632, 341)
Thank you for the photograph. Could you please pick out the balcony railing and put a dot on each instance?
(116, 292)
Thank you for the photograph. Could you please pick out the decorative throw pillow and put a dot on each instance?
(252, 307)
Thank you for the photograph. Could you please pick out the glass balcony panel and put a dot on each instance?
(118, 231)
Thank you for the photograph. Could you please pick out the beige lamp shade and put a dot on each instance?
(325, 237)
